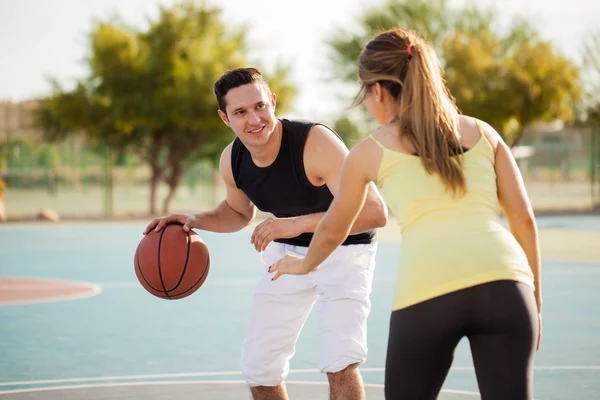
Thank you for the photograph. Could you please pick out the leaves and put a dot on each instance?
(508, 77)
(591, 71)
(510, 81)
(151, 91)
(430, 18)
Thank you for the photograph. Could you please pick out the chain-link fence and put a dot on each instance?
(560, 168)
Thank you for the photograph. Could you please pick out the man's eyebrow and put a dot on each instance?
(257, 104)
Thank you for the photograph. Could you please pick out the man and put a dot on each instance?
(291, 170)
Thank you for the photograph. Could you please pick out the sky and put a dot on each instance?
(42, 39)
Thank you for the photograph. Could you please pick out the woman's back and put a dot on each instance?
(449, 242)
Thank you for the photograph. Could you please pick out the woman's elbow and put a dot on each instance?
(374, 217)
(379, 220)
(521, 219)
(380, 217)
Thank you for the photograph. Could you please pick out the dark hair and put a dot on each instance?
(235, 78)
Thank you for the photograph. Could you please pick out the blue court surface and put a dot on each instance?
(123, 343)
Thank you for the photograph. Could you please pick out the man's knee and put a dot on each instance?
(342, 357)
(269, 392)
(262, 378)
(349, 370)
(260, 371)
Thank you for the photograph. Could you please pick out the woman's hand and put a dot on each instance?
(291, 265)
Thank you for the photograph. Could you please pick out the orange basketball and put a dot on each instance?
(172, 263)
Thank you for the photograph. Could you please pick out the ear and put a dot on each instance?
(273, 100)
(377, 91)
(224, 117)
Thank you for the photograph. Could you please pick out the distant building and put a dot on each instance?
(16, 120)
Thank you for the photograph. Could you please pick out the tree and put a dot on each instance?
(49, 159)
(508, 79)
(430, 18)
(591, 104)
(151, 92)
(591, 75)
(83, 110)
(347, 130)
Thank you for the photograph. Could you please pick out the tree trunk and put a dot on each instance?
(594, 157)
(2, 201)
(108, 183)
(154, 181)
(515, 141)
(157, 172)
(173, 181)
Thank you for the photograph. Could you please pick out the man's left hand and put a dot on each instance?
(274, 228)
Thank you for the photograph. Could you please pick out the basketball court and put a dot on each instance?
(76, 324)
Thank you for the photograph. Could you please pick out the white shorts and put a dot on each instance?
(280, 308)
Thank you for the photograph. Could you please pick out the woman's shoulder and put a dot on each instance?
(370, 143)
(472, 130)
(368, 153)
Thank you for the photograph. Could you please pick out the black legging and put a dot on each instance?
(499, 319)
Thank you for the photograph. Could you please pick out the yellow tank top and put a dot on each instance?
(448, 243)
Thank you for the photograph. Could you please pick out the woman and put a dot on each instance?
(445, 177)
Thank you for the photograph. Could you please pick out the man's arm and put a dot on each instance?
(360, 168)
(324, 155)
(231, 215)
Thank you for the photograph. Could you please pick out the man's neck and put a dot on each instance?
(266, 155)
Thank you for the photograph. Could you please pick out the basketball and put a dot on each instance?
(172, 263)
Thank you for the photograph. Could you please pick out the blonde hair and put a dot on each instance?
(408, 67)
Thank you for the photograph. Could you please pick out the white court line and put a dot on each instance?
(125, 377)
(235, 373)
(125, 384)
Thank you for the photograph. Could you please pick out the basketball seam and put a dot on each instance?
(199, 279)
(187, 257)
(162, 232)
(139, 267)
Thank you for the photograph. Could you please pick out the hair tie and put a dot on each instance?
(409, 49)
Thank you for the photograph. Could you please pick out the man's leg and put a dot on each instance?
(346, 384)
(278, 313)
(269, 392)
(344, 283)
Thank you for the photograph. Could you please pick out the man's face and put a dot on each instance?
(250, 113)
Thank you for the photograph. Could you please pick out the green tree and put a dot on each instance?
(49, 159)
(150, 91)
(591, 105)
(85, 111)
(591, 76)
(509, 79)
(347, 130)
(430, 18)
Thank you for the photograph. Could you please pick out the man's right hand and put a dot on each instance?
(187, 220)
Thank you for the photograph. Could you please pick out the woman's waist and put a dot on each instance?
(450, 224)
(481, 240)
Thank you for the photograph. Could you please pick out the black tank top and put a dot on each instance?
(283, 188)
